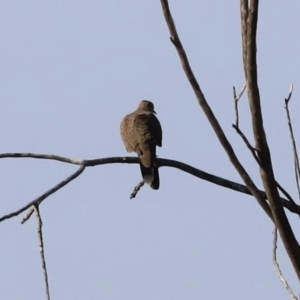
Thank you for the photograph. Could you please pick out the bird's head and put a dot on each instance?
(147, 106)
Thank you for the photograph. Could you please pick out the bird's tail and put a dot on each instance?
(155, 181)
(150, 176)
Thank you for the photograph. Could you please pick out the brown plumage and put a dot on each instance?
(141, 132)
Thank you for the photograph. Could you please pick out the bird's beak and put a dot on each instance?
(154, 111)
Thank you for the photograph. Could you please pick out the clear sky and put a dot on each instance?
(70, 71)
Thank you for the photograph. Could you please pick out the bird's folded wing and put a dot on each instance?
(127, 131)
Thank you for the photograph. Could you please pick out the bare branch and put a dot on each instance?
(249, 146)
(208, 112)
(277, 267)
(28, 215)
(41, 198)
(236, 100)
(249, 21)
(253, 152)
(42, 156)
(42, 249)
(286, 194)
(295, 152)
(136, 190)
(244, 17)
(134, 160)
(290, 94)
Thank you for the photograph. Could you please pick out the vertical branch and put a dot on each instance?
(244, 18)
(277, 267)
(42, 250)
(236, 108)
(295, 152)
(249, 15)
(236, 101)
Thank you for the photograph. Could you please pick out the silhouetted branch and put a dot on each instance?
(277, 267)
(295, 152)
(42, 156)
(249, 15)
(28, 215)
(246, 141)
(254, 154)
(42, 249)
(38, 200)
(208, 112)
(133, 160)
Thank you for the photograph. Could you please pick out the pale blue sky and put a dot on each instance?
(70, 71)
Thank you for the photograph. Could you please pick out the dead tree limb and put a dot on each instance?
(249, 16)
(130, 160)
(256, 158)
(208, 112)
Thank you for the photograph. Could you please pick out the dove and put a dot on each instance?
(141, 132)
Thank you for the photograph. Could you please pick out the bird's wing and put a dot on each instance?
(148, 134)
(156, 130)
(127, 131)
(148, 128)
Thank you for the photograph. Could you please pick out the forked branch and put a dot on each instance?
(249, 17)
(208, 112)
(128, 160)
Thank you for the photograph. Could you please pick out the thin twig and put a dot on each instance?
(136, 190)
(290, 94)
(286, 194)
(42, 156)
(277, 267)
(38, 200)
(236, 100)
(42, 248)
(295, 152)
(249, 146)
(28, 215)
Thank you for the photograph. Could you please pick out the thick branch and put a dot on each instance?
(261, 145)
(208, 112)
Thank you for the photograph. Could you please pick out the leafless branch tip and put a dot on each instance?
(290, 94)
(294, 146)
(236, 99)
(277, 267)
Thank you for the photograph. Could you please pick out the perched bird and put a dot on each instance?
(141, 132)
